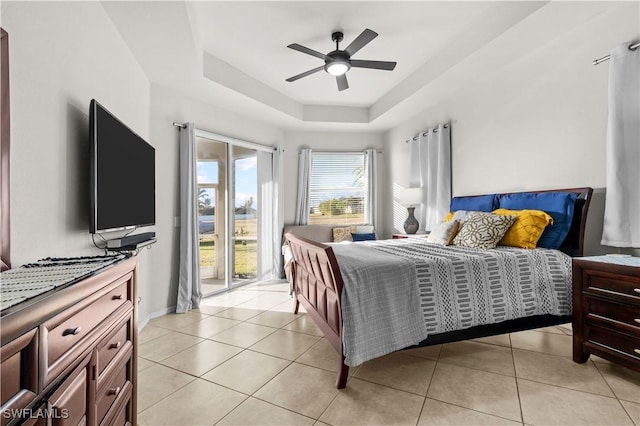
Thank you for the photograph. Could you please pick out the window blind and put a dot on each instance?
(338, 188)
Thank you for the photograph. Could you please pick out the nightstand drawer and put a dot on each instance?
(618, 344)
(623, 318)
(620, 287)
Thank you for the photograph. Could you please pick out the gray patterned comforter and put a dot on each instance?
(454, 287)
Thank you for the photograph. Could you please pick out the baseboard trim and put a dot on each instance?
(156, 314)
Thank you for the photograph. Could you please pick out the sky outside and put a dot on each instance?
(246, 173)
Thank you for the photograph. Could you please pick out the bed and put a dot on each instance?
(376, 297)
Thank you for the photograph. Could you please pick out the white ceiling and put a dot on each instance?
(234, 55)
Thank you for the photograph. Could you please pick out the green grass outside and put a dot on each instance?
(343, 219)
(246, 258)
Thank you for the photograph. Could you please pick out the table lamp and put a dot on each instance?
(410, 198)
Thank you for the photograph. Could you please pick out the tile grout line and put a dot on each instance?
(595, 364)
(426, 394)
(515, 374)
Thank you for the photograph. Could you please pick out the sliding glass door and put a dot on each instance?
(212, 213)
(228, 214)
(244, 245)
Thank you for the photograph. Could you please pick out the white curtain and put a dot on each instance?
(302, 200)
(372, 179)
(430, 169)
(622, 205)
(278, 212)
(189, 294)
(271, 215)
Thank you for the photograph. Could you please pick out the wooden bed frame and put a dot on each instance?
(317, 285)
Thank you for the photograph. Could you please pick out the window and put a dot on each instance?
(338, 188)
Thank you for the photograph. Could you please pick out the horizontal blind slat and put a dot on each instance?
(338, 176)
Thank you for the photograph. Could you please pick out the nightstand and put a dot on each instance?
(606, 309)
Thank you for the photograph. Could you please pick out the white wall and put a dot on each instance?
(538, 123)
(62, 55)
(321, 141)
(168, 106)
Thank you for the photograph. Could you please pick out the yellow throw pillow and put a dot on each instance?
(526, 230)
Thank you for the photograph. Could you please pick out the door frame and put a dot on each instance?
(228, 240)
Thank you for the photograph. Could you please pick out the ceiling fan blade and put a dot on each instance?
(299, 48)
(362, 40)
(376, 65)
(304, 74)
(342, 82)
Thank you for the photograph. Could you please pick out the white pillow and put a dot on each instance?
(364, 229)
(444, 232)
(461, 216)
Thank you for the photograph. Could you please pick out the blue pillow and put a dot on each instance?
(559, 205)
(363, 237)
(480, 203)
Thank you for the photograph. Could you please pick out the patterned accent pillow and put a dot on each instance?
(444, 233)
(343, 234)
(527, 228)
(483, 230)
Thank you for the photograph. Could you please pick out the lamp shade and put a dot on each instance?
(411, 197)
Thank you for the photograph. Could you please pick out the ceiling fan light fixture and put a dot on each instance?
(338, 62)
(337, 68)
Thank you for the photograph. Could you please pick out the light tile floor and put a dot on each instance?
(244, 359)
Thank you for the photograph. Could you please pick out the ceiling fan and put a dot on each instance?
(339, 61)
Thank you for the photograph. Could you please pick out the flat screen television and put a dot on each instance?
(122, 174)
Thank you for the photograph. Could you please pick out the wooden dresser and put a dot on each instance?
(69, 355)
(606, 309)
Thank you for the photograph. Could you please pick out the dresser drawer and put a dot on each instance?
(67, 335)
(613, 343)
(620, 287)
(120, 413)
(109, 347)
(609, 314)
(19, 372)
(109, 393)
(68, 404)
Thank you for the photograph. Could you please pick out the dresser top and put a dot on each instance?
(614, 259)
(33, 279)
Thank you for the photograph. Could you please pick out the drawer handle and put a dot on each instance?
(72, 331)
(114, 391)
(119, 297)
(637, 290)
(115, 345)
(637, 351)
(636, 320)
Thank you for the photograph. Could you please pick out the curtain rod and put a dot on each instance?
(606, 58)
(226, 139)
(435, 129)
(316, 151)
